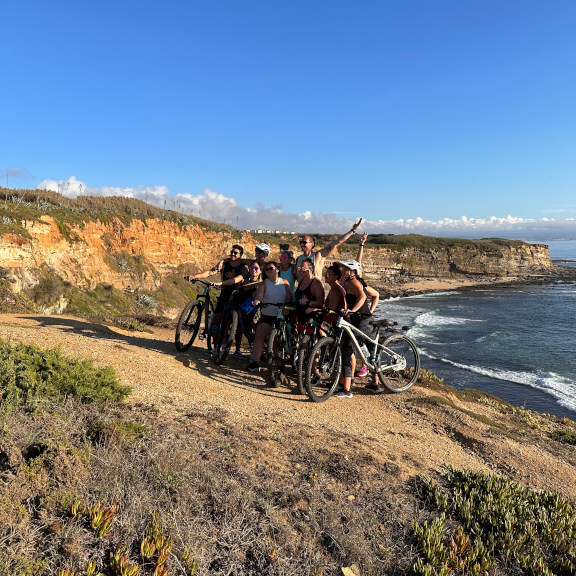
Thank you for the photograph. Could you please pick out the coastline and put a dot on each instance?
(426, 285)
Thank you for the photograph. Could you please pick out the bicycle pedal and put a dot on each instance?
(201, 337)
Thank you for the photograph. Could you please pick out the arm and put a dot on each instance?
(230, 281)
(288, 297)
(318, 293)
(236, 279)
(330, 249)
(206, 273)
(260, 291)
(361, 247)
(374, 298)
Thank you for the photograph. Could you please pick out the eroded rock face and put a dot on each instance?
(134, 255)
(505, 261)
(139, 254)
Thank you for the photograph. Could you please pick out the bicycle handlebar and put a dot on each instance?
(194, 280)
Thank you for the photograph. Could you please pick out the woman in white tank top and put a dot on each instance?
(273, 290)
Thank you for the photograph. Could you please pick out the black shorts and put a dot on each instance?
(270, 320)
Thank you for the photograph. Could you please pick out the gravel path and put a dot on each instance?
(421, 441)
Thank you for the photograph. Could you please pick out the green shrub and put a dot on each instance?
(49, 289)
(564, 436)
(29, 374)
(487, 522)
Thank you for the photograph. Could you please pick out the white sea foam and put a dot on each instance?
(563, 389)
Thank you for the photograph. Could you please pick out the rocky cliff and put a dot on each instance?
(134, 255)
(487, 259)
(139, 254)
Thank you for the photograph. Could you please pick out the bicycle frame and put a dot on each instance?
(207, 305)
(375, 352)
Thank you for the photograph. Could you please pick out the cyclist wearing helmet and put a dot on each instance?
(262, 252)
(356, 311)
(308, 244)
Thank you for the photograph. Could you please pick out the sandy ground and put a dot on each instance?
(421, 438)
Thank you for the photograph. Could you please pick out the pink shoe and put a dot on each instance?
(363, 371)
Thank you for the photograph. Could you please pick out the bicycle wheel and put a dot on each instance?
(400, 368)
(323, 369)
(228, 327)
(275, 361)
(302, 354)
(188, 326)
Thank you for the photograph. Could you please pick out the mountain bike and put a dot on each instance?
(236, 316)
(310, 335)
(396, 360)
(190, 320)
(282, 346)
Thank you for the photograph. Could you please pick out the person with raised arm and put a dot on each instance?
(307, 244)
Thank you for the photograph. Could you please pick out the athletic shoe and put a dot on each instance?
(362, 372)
(344, 394)
(210, 352)
(238, 354)
(253, 367)
(373, 388)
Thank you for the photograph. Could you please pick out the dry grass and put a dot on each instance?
(242, 503)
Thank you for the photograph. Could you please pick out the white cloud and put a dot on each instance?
(220, 208)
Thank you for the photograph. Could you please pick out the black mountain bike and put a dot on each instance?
(190, 320)
(282, 346)
(308, 338)
(237, 316)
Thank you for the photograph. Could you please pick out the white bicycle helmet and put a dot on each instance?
(263, 247)
(353, 265)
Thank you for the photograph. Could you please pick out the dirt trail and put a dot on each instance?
(420, 437)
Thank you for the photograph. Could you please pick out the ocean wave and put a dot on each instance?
(561, 388)
(435, 319)
(431, 295)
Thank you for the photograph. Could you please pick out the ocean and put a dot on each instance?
(517, 343)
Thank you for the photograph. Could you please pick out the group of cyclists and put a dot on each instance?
(266, 284)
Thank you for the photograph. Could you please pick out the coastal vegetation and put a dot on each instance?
(91, 485)
(17, 205)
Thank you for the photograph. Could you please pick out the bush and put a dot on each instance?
(29, 374)
(489, 524)
(49, 289)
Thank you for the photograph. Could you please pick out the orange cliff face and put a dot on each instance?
(133, 255)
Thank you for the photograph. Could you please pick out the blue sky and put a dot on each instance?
(446, 117)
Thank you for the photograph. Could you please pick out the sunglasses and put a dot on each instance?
(258, 251)
(234, 252)
(254, 268)
(304, 268)
(270, 269)
(304, 241)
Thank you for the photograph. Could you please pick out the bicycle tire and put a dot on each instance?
(188, 326)
(406, 368)
(323, 369)
(275, 362)
(228, 327)
(303, 352)
(209, 334)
